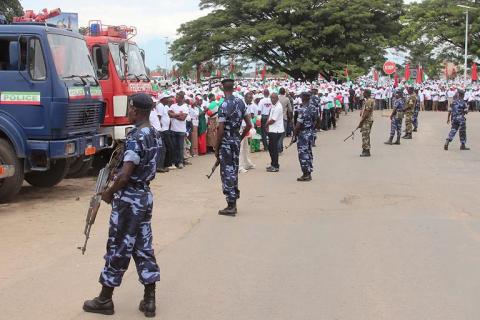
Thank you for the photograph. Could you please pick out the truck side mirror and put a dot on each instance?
(13, 53)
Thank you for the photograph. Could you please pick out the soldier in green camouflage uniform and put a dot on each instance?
(366, 122)
(409, 109)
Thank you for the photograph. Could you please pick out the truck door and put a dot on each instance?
(26, 91)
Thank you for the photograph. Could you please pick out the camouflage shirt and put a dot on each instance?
(399, 104)
(307, 117)
(411, 102)
(231, 113)
(141, 147)
(459, 109)
(368, 106)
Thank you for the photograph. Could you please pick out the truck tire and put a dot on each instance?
(45, 179)
(10, 186)
(79, 167)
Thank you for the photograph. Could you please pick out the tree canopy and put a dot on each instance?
(434, 31)
(300, 38)
(11, 8)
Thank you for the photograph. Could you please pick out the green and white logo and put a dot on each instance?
(18, 97)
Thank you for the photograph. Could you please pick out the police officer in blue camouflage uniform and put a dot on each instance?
(459, 122)
(396, 117)
(130, 233)
(315, 100)
(227, 149)
(304, 133)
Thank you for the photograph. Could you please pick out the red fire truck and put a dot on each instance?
(121, 71)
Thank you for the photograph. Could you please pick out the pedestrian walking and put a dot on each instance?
(409, 110)
(275, 129)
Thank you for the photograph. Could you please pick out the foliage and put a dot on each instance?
(300, 38)
(11, 8)
(435, 29)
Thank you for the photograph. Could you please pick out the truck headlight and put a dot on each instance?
(70, 148)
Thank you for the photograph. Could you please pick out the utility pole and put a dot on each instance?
(466, 40)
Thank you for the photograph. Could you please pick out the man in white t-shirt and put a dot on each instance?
(264, 107)
(164, 119)
(275, 130)
(178, 128)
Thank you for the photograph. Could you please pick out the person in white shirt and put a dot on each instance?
(275, 128)
(162, 113)
(427, 99)
(245, 162)
(435, 97)
(450, 96)
(194, 114)
(442, 100)
(178, 114)
(264, 107)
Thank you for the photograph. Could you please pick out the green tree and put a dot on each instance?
(437, 28)
(300, 38)
(11, 8)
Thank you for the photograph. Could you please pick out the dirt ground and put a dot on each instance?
(395, 236)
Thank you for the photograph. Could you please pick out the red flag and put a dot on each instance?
(286, 76)
(407, 72)
(395, 80)
(419, 75)
(446, 72)
(474, 72)
(232, 66)
(264, 72)
(346, 72)
(256, 72)
(219, 73)
(375, 75)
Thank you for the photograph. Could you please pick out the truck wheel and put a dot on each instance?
(10, 186)
(44, 179)
(79, 167)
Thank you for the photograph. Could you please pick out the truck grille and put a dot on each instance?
(81, 117)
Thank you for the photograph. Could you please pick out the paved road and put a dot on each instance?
(392, 237)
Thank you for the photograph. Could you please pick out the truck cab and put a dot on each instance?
(51, 104)
(121, 71)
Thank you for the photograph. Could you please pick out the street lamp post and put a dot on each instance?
(466, 40)
(166, 54)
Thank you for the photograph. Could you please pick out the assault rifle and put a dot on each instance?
(104, 178)
(352, 135)
(217, 163)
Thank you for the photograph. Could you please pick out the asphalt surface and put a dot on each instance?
(395, 236)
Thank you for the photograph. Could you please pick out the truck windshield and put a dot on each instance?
(136, 67)
(71, 57)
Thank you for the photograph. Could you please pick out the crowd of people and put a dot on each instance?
(186, 115)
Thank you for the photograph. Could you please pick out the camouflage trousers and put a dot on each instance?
(366, 129)
(458, 124)
(229, 158)
(130, 234)
(396, 125)
(305, 154)
(408, 122)
(415, 119)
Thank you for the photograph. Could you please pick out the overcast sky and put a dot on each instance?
(154, 19)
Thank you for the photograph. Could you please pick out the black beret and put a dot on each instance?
(227, 80)
(305, 94)
(141, 101)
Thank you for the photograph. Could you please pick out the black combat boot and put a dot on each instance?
(414, 129)
(365, 153)
(398, 140)
(102, 304)
(389, 141)
(463, 147)
(407, 136)
(230, 210)
(305, 178)
(147, 305)
(445, 147)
